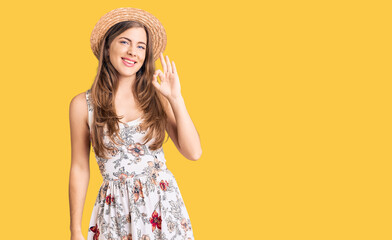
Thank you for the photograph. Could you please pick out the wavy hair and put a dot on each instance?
(105, 85)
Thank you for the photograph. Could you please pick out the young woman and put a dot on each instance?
(124, 115)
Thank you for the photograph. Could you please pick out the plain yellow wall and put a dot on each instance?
(292, 101)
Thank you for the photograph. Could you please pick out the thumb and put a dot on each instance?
(155, 81)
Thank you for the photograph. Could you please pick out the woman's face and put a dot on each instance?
(130, 45)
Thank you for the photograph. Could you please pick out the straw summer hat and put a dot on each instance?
(158, 33)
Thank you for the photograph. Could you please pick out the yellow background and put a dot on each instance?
(292, 101)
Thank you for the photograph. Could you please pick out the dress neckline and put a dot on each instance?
(132, 122)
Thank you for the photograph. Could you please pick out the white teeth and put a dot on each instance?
(128, 61)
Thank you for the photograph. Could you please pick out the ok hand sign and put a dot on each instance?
(170, 83)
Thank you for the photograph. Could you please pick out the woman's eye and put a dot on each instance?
(127, 42)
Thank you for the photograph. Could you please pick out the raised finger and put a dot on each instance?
(169, 67)
(163, 63)
(174, 67)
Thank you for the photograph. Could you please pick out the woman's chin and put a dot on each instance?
(127, 74)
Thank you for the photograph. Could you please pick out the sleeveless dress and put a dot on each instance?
(139, 198)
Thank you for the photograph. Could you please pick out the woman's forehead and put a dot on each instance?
(134, 34)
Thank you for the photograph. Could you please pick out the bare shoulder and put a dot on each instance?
(78, 110)
(80, 135)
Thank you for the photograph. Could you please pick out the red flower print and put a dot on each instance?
(137, 190)
(109, 199)
(163, 185)
(155, 220)
(95, 230)
(136, 149)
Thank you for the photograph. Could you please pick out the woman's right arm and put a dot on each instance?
(80, 169)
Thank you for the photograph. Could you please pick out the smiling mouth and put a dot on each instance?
(128, 63)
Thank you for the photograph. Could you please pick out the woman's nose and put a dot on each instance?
(132, 51)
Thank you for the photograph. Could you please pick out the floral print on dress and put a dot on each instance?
(137, 150)
(155, 220)
(95, 230)
(139, 198)
(137, 190)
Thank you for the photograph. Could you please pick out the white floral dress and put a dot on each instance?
(139, 197)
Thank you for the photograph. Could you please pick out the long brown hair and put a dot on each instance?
(105, 85)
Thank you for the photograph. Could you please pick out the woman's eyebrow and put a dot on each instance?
(131, 40)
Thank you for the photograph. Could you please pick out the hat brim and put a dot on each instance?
(158, 33)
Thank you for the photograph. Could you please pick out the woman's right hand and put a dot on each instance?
(77, 236)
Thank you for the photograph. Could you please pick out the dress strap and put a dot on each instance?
(90, 107)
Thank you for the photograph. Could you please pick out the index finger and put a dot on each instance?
(163, 63)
